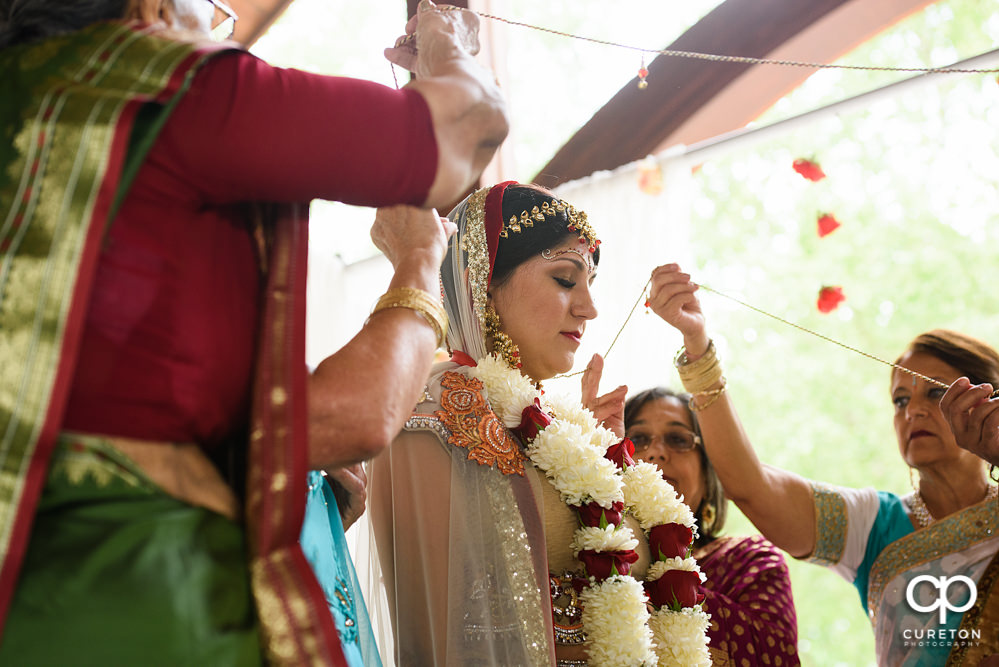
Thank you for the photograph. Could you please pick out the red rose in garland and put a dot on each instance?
(808, 169)
(532, 419)
(621, 453)
(830, 298)
(828, 224)
(675, 589)
(595, 516)
(602, 564)
(670, 540)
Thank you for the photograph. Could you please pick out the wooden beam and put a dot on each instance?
(635, 123)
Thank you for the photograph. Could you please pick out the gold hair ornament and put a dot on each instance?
(578, 221)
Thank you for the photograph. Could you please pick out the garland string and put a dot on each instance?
(740, 59)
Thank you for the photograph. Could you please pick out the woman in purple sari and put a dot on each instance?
(747, 588)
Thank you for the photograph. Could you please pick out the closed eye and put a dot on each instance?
(568, 284)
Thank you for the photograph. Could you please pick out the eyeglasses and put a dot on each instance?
(224, 21)
(678, 440)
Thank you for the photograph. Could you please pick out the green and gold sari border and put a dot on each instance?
(296, 623)
(957, 532)
(831, 525)
(67, 142)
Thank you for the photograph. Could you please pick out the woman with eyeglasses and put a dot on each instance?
(899, 552)
(748, 588)
(154, 397)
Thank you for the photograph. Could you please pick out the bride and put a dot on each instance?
(513, 529)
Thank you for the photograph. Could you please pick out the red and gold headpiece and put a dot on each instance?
(485, 226)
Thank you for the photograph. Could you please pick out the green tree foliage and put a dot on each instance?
(913, 179)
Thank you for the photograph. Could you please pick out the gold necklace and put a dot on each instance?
(922, 514)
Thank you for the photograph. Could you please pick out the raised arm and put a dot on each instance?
(360, 397)
(778, 502)
(467, 109)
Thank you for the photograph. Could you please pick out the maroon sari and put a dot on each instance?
(748, 594)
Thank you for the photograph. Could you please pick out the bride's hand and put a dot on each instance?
(609, 408)
(672, 297)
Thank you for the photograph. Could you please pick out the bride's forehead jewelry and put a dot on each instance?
(550, 256)
(552, 209)
(484, 226)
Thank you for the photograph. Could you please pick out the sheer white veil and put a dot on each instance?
(460, 545)
(465, 276)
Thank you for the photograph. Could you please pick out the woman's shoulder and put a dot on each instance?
(454, 405)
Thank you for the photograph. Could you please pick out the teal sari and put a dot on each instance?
(325, 547)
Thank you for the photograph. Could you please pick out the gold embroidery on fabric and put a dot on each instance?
(473, 242)
(954, 533)
(983, 614)
(475, 427)
(516, 551)
(81, 459)
(63, 146)
(831, 524)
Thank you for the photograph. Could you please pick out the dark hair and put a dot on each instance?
(521, 246)
(974, 358)
(24, 21)
(713, 492)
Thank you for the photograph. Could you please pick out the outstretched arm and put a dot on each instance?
(467, 109)
(778, 502)
(360, 397)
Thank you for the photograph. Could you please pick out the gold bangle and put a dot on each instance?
(701, 374)
(420, 302)
(712, 395)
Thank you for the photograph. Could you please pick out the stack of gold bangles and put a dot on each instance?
(422, 303)
(699, 376)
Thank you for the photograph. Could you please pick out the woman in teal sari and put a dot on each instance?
(920, 562)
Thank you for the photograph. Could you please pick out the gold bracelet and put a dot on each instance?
(712, 395)
(701, 374)
(420, 302)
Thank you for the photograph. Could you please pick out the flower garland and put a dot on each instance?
(596, 476)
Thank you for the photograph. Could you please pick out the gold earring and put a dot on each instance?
(708, 516)
(502, 344)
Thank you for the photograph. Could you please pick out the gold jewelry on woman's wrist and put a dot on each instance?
(422, 303)
(700, 375)
(706, 398)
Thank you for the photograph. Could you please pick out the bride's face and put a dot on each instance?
(544, 306)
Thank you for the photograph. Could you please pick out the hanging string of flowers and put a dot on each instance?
(596, 476)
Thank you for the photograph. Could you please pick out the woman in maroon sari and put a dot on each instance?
(748, 590)
(155, 403)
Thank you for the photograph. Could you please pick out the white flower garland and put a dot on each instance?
(571, 452)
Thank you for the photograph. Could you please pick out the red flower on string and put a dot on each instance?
(828, 224)
(830, 298)
(810, 170)
(670, 540)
